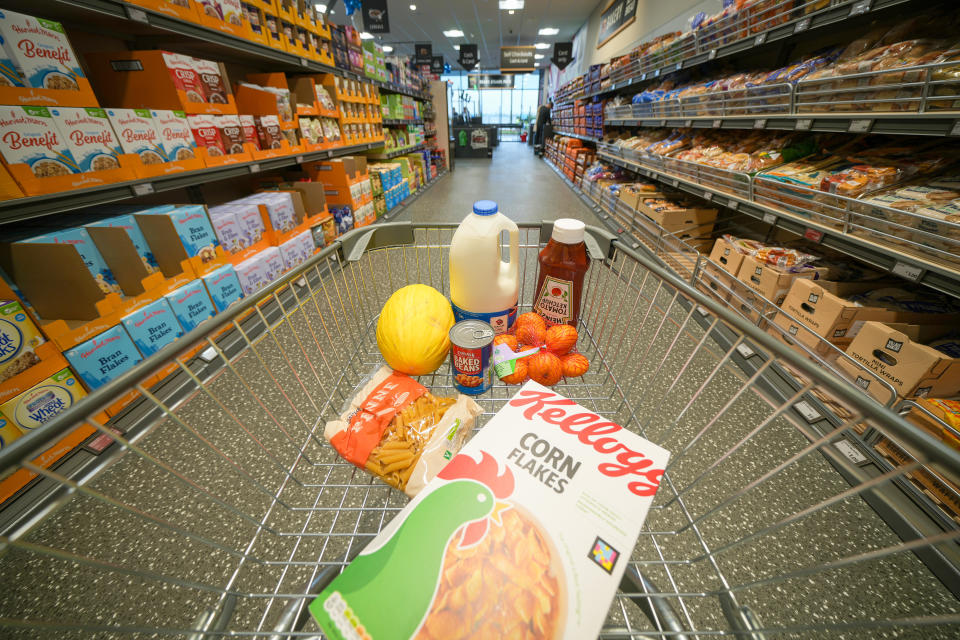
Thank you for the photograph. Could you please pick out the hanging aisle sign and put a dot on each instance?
(424, 53)
(618, 15)
(490, 81)
(468, 56)
(516, 59)
(562, 54)
(375, 19)
(436, 65)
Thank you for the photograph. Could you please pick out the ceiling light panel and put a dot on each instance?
(511, 4)
(453, 33)
(548, 31)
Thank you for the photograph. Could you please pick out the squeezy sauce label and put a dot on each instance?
(553, 300)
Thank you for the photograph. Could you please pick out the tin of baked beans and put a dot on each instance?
(471, 351)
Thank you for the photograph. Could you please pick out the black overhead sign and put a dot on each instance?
(490, 81)
(375, 19)
(516, 59)
(615, 18)
(468, 56)
(562, 54)
(436, 65)
(424, 53)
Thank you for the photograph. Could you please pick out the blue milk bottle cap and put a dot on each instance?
(484, 207)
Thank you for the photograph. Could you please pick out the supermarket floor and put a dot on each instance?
(525, 187)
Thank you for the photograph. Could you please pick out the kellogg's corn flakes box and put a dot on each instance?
(44, 401)
(18, 338)
(526, 533)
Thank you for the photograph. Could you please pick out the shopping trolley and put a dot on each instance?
(220, 510)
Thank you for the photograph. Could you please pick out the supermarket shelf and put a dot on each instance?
(576, 135)
(793, 30)
(884, 258)
(401, 121)
(396, 152)
(19, 209)
(403, 206)
(912, 124)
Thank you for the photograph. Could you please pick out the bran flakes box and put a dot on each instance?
(137, 134)
(41, 51)
(193, 226)
(18, 338)
(536, 518)
(206, 132)
(231, 133)
(28, 135)
(184, 75)
(223, 286)
(152, 327)
(88, 252)
(129, 224)
(176, 138)
(249, 126)
(9, 76)
(88, 133)
(211, 80)
(43, 401)
(104, 357)
(191, 304)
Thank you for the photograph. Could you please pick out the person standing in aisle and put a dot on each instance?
(543, 117)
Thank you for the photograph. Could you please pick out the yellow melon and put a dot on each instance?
(413, 331)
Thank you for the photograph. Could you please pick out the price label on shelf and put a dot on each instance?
(643, 77)
(813, 235)
(850, 451)
(804, 124)
(860, 7)
(708, 195)
(760, 123)
(801, 25)
(688, 123)
(137, 15)
(656, 74)
(717, 124)
(734, 204)
(663, 123)
(760, 39)
(299, 159)
(744, 350)
(142, 189)
(807, 411)
(303, 62)
(712, 54)
(909, 271)
(679, 66)
(255, 168)
(955, 131)
(769, 218)
(860, 125)
(675, 182)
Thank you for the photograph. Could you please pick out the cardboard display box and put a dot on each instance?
(726, 256)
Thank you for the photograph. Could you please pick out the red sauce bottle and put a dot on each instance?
(563, 263)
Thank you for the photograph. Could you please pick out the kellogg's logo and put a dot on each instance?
(594, 431)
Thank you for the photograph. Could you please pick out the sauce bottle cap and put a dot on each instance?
(568, 231)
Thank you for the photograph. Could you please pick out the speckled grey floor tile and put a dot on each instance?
(237, 493)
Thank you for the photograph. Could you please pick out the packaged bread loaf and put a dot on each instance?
(397, 430)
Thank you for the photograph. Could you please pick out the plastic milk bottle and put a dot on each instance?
(482, 286)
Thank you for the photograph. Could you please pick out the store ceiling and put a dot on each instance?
(483, 23)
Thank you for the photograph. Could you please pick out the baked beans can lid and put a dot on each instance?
(471, 333)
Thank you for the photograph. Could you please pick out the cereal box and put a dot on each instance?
(250, 221)
(43, 401)
(223, 286)
(272, 263)
(83, 243)
(184, 75)
(268, 130)
(40, 50)
(283, 216)
(153, 327)
(104, 357)
(231, 133)
(252, 274)
(191, 304)
(196, 234)
(540, 510)
(18, 338)
(211, 79)
(9, 76)
(28, 135)
(227, 228)
(8, 432)
(129, 224)
(90, 137)
(249, 126)
(176, 138)
(231, 11)
(137, 134)
(206, 132)
(297, 250)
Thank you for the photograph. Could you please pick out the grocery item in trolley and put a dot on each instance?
(398, 431)
(153, 327)
(28, 135)
(176, 138)
(41, 51)
(88, 134)
(525, 533)
(471, 352)
(562, 266)
(104, 357)
(19, 336)
(137, 135)
(43, 401)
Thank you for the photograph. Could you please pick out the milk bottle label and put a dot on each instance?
(553, 300)
(501, 321)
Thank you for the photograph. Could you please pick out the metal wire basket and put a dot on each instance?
(219, 509)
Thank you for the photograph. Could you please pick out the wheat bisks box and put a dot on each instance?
(525, 533)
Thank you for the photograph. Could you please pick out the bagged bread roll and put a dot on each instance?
(398, 431)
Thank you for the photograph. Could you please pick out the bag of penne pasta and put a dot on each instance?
(400, 432)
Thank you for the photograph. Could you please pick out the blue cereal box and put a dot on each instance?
(43, 401)
(191, 304)
(129, 224)
(223, 286)
(104, 357)
(196, 234)
(81, 240)
(153, 327)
